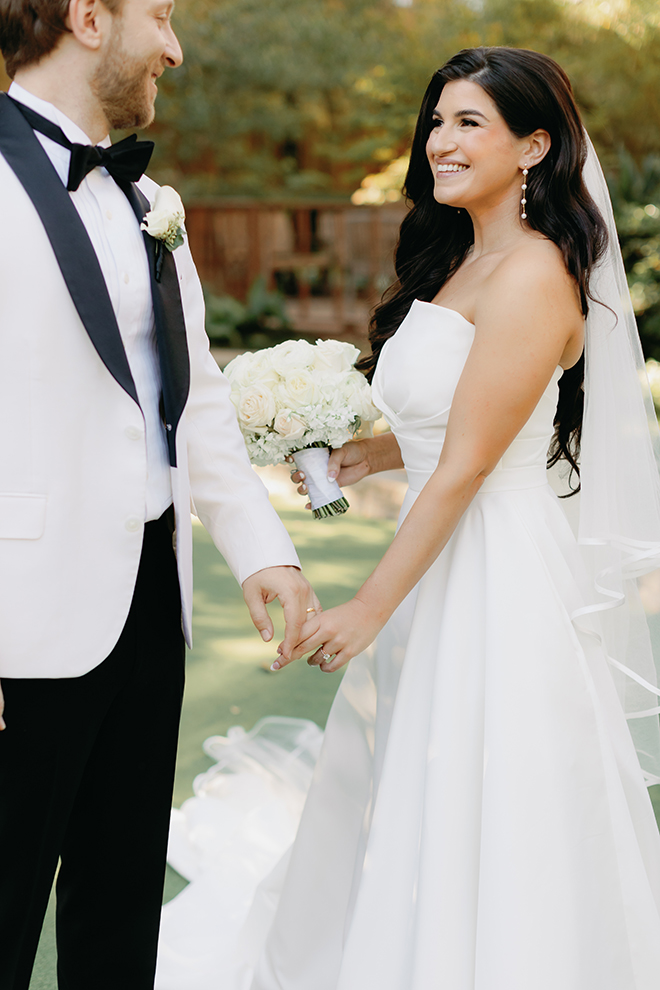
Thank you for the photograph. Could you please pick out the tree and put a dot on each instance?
(268, 97)
(307, 96)
(635, 194)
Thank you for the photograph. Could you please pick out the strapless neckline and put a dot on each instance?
(445, 309)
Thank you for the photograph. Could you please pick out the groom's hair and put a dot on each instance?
(30, 29)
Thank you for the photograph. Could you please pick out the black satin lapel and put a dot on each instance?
(70, 241)
(170, 326)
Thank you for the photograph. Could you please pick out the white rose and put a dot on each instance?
(256, 406)
(289, 425)
(358, 396)
(298, 389)
(168, 199)
(262, 369)
(167, 212)
(335, 355)
(239, 370)
(292, 354)
(250, 368)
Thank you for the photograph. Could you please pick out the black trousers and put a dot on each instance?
(86, 776)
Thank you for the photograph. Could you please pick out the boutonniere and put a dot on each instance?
(164, 222)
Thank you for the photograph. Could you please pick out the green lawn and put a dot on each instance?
(228, 680)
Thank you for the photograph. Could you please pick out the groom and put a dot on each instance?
(113, 419)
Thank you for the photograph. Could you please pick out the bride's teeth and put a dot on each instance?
(451, 168)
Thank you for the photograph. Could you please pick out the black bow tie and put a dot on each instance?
(126, 161)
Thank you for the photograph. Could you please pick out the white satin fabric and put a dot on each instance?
(478, 819)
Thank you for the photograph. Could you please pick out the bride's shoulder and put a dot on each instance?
(537, 256)
(531, 285)
(532, 269)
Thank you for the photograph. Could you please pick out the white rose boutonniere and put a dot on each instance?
(165, 219)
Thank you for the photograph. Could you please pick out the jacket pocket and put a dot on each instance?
(22, 517)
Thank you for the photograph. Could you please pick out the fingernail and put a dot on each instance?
(275, 666)
(266, 636)
(302, 475)
(332, 475)
(279, 651)
(309, 505)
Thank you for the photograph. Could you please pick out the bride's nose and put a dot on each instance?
(440, 143)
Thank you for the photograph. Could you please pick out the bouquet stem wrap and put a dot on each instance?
(326, 496)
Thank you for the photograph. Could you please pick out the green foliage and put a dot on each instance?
(302, 97)
(265, 97)
(259, 322)
(635, 194)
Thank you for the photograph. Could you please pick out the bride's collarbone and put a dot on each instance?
(461, 291)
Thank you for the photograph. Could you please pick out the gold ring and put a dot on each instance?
(311, 610)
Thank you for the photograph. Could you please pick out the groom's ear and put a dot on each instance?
(90, 22)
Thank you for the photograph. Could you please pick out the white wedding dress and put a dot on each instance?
(477, 818)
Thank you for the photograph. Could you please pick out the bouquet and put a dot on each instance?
(300, 398)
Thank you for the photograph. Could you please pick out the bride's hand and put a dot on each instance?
(340, 633)
(347, 465)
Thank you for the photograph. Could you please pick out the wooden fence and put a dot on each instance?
(332, 261)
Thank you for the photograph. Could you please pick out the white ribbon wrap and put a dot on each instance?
(313, 461)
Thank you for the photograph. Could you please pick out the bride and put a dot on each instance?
(478, 817)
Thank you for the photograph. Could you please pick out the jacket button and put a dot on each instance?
(133, 524)
(133, 432)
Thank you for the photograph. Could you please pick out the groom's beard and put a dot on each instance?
(121, 84)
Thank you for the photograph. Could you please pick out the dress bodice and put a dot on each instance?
(414, 384)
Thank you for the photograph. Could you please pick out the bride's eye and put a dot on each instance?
(435, 122)
(468, 121)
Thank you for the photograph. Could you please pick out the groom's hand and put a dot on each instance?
(296, 596)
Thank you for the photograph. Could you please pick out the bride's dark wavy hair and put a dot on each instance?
(531, 91)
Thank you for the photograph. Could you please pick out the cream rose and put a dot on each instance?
(240, 369)
(251, 369)
(290, 355)
(298, 389)
(288, 425)
(335, 356)
(262, 370)
(256, 406)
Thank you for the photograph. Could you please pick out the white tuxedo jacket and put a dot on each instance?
(73, 454)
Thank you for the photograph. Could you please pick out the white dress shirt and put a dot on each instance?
(115, 235)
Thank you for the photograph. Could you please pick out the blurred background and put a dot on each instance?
(287, 127)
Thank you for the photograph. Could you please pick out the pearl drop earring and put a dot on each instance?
(523, 201)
